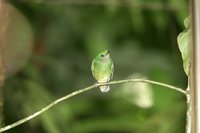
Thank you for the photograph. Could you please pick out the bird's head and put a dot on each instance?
(104, 55)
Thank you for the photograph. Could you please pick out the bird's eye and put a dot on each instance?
(102, 55)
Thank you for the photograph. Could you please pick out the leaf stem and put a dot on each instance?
(15, 124)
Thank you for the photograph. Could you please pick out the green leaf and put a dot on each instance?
(184, 41)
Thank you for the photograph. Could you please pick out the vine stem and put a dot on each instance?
(15, 124)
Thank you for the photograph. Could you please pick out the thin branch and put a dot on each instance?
(146, 81)
(84, 90)
(189, 111)
(195, 67)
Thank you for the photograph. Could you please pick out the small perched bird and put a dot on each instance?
(102, 69)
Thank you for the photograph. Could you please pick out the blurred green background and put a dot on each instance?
(50, 46)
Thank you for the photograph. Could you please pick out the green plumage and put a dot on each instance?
(102, 69)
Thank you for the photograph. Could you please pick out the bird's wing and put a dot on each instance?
(112, 71)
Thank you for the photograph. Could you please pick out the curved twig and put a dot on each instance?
(84, 90)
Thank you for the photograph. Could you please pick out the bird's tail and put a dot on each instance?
(104, 88)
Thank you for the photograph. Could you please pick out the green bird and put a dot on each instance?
(102, 69)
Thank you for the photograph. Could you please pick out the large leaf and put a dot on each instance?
(18, 41)
(184, 41)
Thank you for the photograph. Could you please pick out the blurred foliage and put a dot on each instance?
(137, 93)
(184, 41)
(67, 35)
(18, 46)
